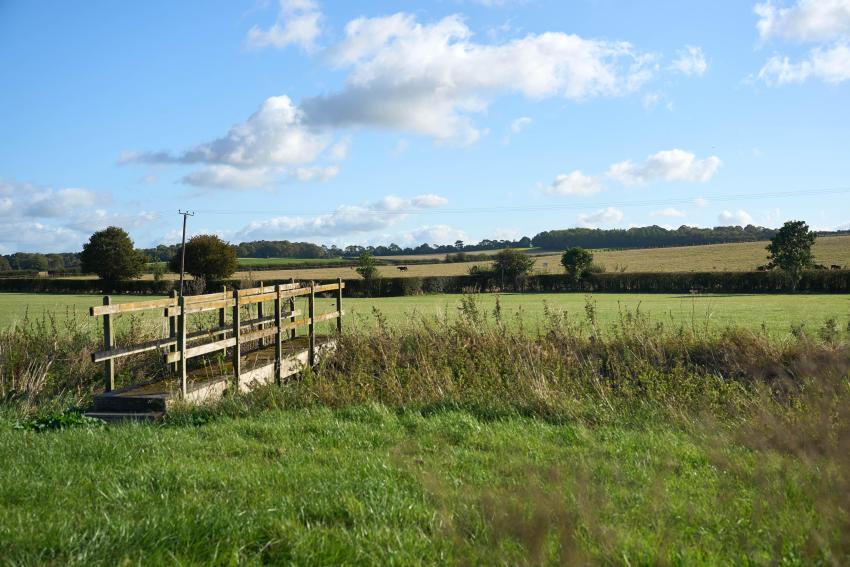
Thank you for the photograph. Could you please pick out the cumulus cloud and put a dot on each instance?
(669, 212)
(737, 218)
(297, 24)
(667, 165)
(806, 20)
(690, 61)
(609, 215)
(46, 219)
(428, 78)
(575, 183)
(823, 22)
(830, 65)
(272, 142)
(346, 219)
(436, 234)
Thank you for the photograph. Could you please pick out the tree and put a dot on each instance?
(110, 254)
(513, 264)
(5, 266)
(207, 256)
(367, 267)
(790, 250)
(576, 262)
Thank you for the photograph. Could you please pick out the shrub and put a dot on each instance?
(576, 262)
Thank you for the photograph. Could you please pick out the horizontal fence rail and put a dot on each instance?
(180, 345)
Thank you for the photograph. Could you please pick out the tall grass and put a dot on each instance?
(674, 430)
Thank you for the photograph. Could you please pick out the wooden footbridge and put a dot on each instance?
(256, 346)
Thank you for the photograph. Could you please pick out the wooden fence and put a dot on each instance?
(180, 345)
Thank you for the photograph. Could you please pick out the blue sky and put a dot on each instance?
(406, 122)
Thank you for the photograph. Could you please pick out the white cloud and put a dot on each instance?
(669, 212)
(690, 61)
(830, 65)
(575, 183)
(254, 152)
(435, 234)
(610, 215)
(824, 22)
(806, 20)
(297, 24)
(701, 202)
(737, 218)
(36, 218)
(428, 78)
(520, 124)
(229, 177)
(668, 165)
(316, 173)
(346, 219)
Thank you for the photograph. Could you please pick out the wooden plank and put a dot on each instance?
(109, 365)
(258, 334)
(114, 353)
(328, 316)
(267, 289)
(328, 287)
(110, 308)
(201, 349)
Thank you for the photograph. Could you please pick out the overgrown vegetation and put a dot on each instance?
(458, 440)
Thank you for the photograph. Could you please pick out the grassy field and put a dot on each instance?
(461, 444)
(370, 486)
(776, 312)
(286, 261)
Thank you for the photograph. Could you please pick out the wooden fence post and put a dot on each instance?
(172, 331)
(108, 343)
(311, 338)
(222, 320)
(339, 306)
(278, 337)
(181, 345)
(237, 350)
(260, 313)
(293, 332)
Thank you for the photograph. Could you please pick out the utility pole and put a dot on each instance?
(183, 248)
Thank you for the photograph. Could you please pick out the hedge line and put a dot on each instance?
(815, 281)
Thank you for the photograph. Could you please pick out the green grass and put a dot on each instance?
(366, 485)
(15, 306)
(777, 312)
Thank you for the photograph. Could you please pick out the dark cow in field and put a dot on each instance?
(402, 268)
(835, 267)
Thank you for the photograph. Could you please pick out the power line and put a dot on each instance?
(547, 206)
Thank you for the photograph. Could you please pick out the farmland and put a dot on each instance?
(746, 256)
(777, 313)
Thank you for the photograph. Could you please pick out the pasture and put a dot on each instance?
(776, 313)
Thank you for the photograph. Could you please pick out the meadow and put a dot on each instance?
(775, 313)
(452, 442)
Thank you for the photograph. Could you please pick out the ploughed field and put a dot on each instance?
(775, 313)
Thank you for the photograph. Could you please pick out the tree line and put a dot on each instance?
(649, 236)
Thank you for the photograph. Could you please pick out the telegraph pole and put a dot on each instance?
(185, 214)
